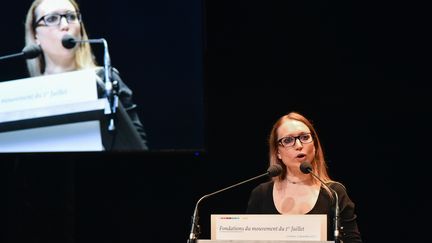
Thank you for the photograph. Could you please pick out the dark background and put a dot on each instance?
(360, 71)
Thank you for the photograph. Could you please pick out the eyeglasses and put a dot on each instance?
(290, 141)
(54, 19)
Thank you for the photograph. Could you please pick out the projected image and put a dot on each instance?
(130, 79)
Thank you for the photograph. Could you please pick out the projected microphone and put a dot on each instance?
(69, 42)
(272, 171)
(306, 168)
(28, 52)
(111, 88)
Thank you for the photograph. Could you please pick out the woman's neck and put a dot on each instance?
(295, 176)
(55, 70)
(54, 67)
(298, 180)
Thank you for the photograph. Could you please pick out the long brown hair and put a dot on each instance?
(83, 57)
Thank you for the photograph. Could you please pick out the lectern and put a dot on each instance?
(69, 127)
(259, 241)
(61, 112)
(249, 228)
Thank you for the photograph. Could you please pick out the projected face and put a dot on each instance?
(54, 19)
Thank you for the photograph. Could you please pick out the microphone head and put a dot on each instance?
(68, 41)
(274, 170)
(306, 167)
(31, 51)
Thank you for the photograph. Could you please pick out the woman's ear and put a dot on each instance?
(279, 156)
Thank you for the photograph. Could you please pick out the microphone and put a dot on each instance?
(28, 52)
(306, 168)
(111, 88)
(69, 42)
(272, 171)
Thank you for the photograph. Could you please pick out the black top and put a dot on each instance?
(126, 117)
(261, 202)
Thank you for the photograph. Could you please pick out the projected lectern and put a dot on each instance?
(57, 113)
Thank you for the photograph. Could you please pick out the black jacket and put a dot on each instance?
(130, 133)
(261, 202)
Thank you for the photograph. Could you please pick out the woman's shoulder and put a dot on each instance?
(339, 187)
(123, 88)
(336, 184)
(100, 71)
(264, 186)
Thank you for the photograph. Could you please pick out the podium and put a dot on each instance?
(61, 113)
(259, 241)
(53, 115)
(269, 227)
(69, 127)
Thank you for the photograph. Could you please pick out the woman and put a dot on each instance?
(293, 141)
(47, 22)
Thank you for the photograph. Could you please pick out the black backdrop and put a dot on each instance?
(358, 70)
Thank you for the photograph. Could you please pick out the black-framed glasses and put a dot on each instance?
(290, 141)
(54, 19)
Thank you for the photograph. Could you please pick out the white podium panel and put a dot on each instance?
(52, 113)
(310, 227)
(259, 241)
(49, 90)
(79, 136)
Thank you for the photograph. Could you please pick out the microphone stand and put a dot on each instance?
(306, 168)
(111, 86)
(337, 216)
(193, 237)
(11, 56)
(28, 52)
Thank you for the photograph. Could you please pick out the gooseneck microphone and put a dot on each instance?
(28, 52)
(111, 87)
(306, 168)
(68, 41)
(272, 171)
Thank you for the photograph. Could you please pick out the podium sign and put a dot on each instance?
(48, 90)
(311, 227)
(258, 241)
(58, 112)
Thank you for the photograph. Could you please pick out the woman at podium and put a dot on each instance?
(304, 186)
(46, 25)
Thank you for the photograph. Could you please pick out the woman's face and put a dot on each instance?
(49, 37)
(293, 156)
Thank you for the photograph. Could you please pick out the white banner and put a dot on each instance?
(311, 227)
(48, 90)
(45, 97)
